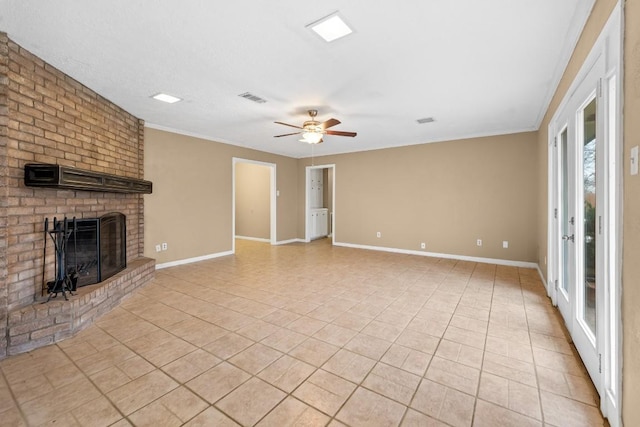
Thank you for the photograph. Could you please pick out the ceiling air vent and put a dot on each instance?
(252, 97)
(425, 120)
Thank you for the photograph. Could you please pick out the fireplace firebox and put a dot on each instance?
(96, 248)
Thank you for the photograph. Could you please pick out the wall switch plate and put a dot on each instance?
(378, 234)
(634, 161)
(158, 248)
(479, 242)
(505, 244)
(423, 246)
(277, 193)
(164, 246)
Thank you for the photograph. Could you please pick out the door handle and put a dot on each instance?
(567, 237)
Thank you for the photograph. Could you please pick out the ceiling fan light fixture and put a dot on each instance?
(311, 137)
(330, 27)
(312, 131)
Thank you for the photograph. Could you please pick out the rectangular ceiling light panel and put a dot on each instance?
(331, 27)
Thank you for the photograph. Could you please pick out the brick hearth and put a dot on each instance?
(41, 324)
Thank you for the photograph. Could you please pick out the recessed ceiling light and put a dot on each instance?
(166, 98)
(331, 27)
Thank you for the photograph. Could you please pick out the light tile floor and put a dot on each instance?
(313, 335)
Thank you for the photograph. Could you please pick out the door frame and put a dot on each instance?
(609, 45)
(307, 201)
(273, 220)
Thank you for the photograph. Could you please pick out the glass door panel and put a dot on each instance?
(588, 303)
(564, 212)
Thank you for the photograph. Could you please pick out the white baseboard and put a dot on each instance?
(285, 242)
(510, 263)
(506, 262)
(281, 242)
(255, 239)
(194, 259)
(544, 281)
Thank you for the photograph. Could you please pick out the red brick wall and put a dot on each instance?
(51, 118)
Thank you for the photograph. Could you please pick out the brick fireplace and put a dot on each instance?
(48, 117)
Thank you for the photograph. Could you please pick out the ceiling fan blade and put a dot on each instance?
(287, 124)
(340, 133)
(287, 134)
(330, 123)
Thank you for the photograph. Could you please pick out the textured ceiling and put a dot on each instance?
(478, 67)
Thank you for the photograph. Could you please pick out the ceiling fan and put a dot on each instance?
(312, 130)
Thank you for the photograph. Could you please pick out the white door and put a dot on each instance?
(579, 144)
(585, 178)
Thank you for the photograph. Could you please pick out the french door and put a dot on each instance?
(579, 144)
(585, 178)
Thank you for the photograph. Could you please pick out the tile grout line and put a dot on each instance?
(484, 349)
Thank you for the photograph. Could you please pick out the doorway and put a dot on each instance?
(584, 183)
(320, 206)
(254, 201)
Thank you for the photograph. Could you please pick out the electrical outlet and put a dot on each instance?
(423, 246)
(164, 246)
(479, 242)
(505, 244)
(158, 248)
(378, 234)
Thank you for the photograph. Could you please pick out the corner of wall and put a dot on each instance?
(4, 122)
(140, 251)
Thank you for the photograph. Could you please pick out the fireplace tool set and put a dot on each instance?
(66, 277)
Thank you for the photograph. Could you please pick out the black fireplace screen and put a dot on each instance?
(98, 248)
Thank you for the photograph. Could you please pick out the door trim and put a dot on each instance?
(273, 220)
(307, 201)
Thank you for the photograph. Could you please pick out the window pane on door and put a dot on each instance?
(589, 185)
(564, 210)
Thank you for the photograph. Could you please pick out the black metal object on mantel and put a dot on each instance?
(68, 178)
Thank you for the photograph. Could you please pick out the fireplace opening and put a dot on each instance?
(96, 248)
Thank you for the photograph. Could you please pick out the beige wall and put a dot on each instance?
(253, 200)
(190, 207)
(631, 240)
(444, 194)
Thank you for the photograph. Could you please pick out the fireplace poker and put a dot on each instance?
(44, 255)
